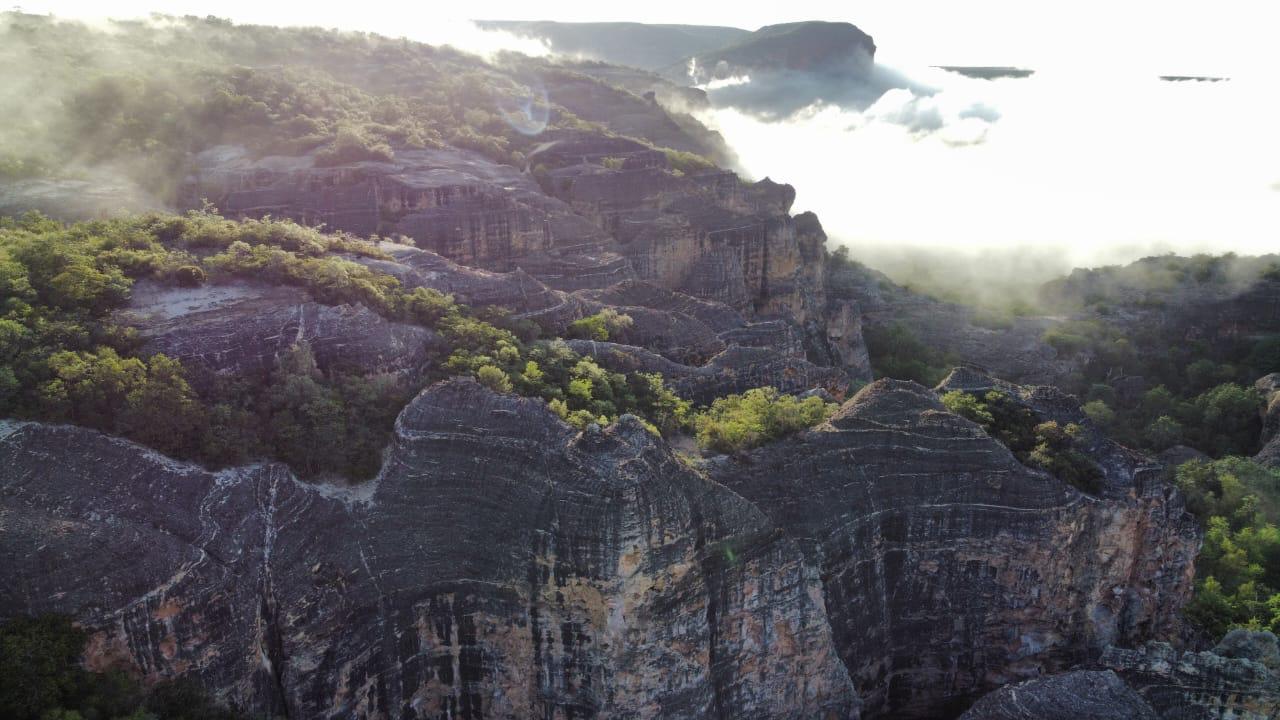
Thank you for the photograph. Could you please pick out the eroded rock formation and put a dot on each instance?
(949, 568)
(896, 561)
(501, 566)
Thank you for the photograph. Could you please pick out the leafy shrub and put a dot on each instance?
(604, 325)
(1238, 571)
(739, 422)
(1042, 445)
(493, 378)
(896, 352)
(191, 276)
(351, 145)
(687, 163)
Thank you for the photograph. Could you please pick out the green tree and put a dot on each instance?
(739, 422)
(493, 378)
(1163, 432)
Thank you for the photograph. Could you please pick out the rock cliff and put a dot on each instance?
(948, 567)
(504, 565)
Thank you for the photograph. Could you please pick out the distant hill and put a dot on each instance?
(987, 72)
(624, 43)
(800, 46)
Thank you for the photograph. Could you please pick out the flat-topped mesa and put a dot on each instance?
(503, 565)
(931, 536)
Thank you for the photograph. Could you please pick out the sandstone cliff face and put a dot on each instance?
(601, 211)
(895, 562)
(948, 567)
(501, 566)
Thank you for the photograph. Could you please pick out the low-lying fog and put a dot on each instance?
(1068, 168)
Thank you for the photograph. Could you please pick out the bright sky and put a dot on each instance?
(1169, 36)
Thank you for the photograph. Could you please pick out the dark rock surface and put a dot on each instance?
(502, 565)
(1078, 695)
(240, 328)
(1204, 685)
(949, 568)
(724, 250)
(1269, 386)
(453, 202)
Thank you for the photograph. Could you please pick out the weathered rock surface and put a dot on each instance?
(1203, 685)
(501, 566)
(453, 202)
(1078, 695)
(602, 211)
(1269, 386)
(949, 568)
(71, 199)
(240, 328)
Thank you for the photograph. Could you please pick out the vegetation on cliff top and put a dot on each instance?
(140, 97)
(1238, 571)
(1043, 445)
(62, 359)
(740, 422)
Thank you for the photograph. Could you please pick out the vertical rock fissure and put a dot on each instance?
(719, 707)
(272, 637)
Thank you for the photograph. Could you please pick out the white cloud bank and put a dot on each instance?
(1093, 167)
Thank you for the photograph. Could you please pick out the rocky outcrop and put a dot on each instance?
(1078, 695)
(1229, 683)
(951, 569)
(1269, 386)
(733, 371)
(239, 328)
(453, 202)
(623, 43)
(502, 565)
(609, 211)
